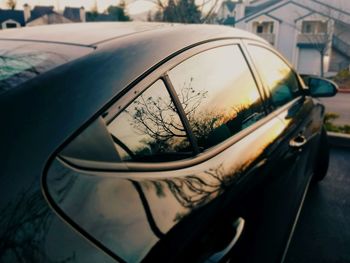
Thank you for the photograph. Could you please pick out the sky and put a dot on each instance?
(134, 6)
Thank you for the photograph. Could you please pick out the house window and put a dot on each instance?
(259, 29)
(11, 25)
(314, 27)
(263, 27)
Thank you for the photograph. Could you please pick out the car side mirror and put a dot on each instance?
(320, 87)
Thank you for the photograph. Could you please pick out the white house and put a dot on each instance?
(305, 31)
(226, 13)
(39, 15)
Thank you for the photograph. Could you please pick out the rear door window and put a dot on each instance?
(218, 94)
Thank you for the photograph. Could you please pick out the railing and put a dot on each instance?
(313, 39)
(342, 46)
(268, 37)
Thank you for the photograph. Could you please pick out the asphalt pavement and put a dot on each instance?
(339, 104)
(322, 233)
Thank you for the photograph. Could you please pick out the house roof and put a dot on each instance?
(16, 15)
(229, 21)
(72, 13)
(271, 5)
(39, 11)
(230, 5)
(257, 8)
(52, 18)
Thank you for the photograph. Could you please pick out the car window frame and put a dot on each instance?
(121, 101)
(271, 108)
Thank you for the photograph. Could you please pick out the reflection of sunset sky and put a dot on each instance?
(274, 70)
(230, 87)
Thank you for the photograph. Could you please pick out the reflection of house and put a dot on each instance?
(40, 15)
(301, 30)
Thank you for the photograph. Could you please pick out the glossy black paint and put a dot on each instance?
(53, 210)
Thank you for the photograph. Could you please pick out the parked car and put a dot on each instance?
(150, 142)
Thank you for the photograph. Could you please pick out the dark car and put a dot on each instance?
(152, 142)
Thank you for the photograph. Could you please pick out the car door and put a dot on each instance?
(170, 171)
(302, 120)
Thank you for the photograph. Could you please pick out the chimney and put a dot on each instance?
(82, 14)
(26, 12)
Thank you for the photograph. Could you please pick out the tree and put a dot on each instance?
(184, 11)
(118, 13)
(11, 4)
(93, 14)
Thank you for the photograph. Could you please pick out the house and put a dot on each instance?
(39, 15)
(314, 35)
(226, 13)
(44, 15)
(11, 19)
(75, 14)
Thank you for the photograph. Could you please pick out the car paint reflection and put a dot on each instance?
(130, 212)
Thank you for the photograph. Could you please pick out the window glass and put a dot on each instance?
(277, 75)
(314, 27)
(149, 129)
(24, 60)
(218, 94)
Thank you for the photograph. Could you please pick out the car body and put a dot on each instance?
(151, 142)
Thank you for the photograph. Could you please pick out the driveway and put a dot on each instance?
(323, 232)
(339, 104)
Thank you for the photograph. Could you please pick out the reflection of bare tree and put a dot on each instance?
(25, 223)
(157, 117)
(194, 191)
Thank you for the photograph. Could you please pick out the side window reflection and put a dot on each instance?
(218, 94)
(149, 129)
(277, 75)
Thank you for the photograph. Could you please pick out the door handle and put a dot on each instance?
(298, 142)
(238, 226)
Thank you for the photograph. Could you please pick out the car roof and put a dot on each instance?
(91, 34)
(46, 110)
